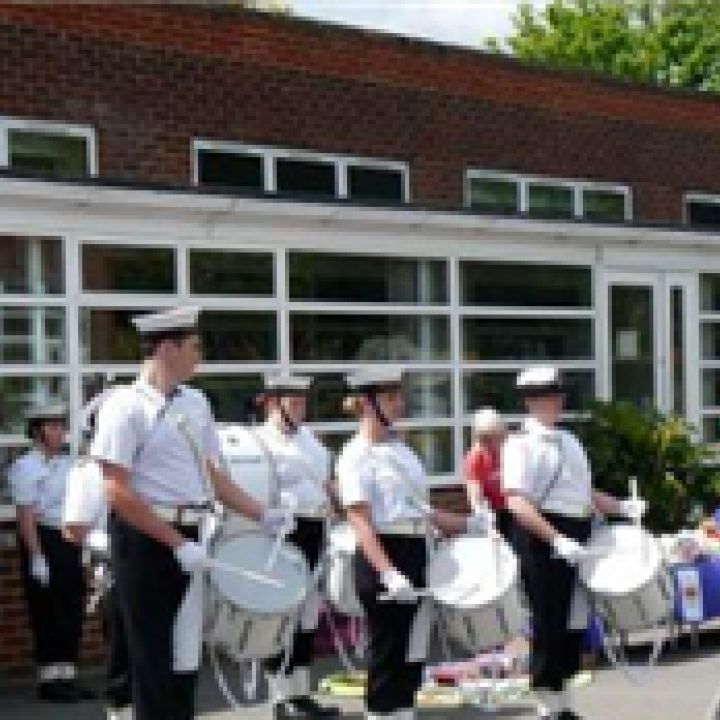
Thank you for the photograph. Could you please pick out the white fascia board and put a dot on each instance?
(217, 210)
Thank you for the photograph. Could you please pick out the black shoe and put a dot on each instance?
(57, 691)
(304, 708)
(569, 715)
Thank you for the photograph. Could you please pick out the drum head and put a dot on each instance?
(471, 572)
(624, 559)
(261, 591)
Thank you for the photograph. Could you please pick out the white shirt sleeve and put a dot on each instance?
(354, 481)
(116, 439)
(84, 495)
(24, 480)
(514, 466)
(211, 439)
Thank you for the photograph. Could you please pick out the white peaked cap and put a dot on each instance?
(540, 379)
(278, 383)
(177, 319)
(487, 420)
(55, 411)
(370, 377)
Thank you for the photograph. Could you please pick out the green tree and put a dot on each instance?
(671, 42)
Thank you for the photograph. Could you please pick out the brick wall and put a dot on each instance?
(15, 638)
(152, 77)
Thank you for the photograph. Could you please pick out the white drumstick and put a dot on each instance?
(213, 564)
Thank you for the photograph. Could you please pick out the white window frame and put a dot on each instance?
(86, 132)
(270, 155)
(525, 181)
(690, 197)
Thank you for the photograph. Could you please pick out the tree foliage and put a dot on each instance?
(670, 42)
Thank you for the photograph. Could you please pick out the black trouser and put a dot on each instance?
(308, 537)
(505, 525)
(550, 586)
(150, 587)
(56, 611)
(118, 681)
(392, 680)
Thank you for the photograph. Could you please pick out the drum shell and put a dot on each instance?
(492, 614)
(629, 582)
(645, 608)
(255, 633)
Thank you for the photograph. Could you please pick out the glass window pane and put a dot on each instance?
(527, 339)
(711, 388)
(366, 278)
(32, 336)
(497, 389)
(128, 269)
(220, 272)
(677, 354)
(31, 265)
(368, 183)
(239, 336)
(604, 205)
(710, 340)
(48, 153)
(550, 201)
(305, 177)
(17, 394)
(711, 429)
(703, 214)
(108, 336)
(525, 285)
(368, 338)
(427, 395)
(230, 169)
(632, 344)
(435, 448)
(231, 396)
(495, 195)
(710, 293)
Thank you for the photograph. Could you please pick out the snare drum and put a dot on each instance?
(252, 612)
(627, 578)
(475, 584)
(340, 578)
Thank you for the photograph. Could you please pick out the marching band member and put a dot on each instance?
(85, 523)
(546, 475)
(160, 455)
(382, 485)
(481, 466)
(51, 567)
(302, 468)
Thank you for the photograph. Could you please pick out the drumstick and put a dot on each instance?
(212, 564)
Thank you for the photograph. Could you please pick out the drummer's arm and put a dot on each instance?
(234, 497)
(359, 518)
(124, 501)
(76, 532)
(526, 514)
(605, 504)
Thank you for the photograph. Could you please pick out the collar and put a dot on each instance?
(533, 426)
(276, 433)
(150, 391)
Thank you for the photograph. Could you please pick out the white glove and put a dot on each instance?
(275, 520)
(191, 556)
(568, 549)
(399, 588)
(481, 522)
(632, 508)
(39, 569)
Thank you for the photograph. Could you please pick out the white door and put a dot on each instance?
(651, 344)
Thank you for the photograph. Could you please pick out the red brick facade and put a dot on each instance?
(150, 78)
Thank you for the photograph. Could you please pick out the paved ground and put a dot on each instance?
(681, 688)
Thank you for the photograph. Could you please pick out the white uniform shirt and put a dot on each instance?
(86, 502)
(154, 448)
(388, 477)
(40, 482)
(531, 460)
(302, 465)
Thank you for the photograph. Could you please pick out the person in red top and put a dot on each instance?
(481, 467)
